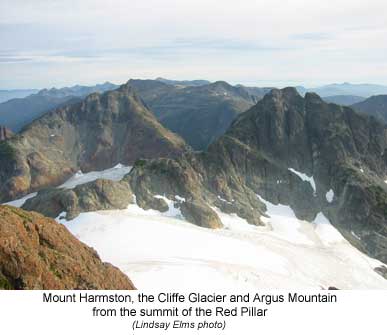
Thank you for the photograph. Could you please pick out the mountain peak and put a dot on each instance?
(287, 93)
(97, 133)
(313, 97)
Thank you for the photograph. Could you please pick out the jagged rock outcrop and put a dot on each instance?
(5, 133)
(100, 194)
(38, 253)
(271, 151)
(95, 134)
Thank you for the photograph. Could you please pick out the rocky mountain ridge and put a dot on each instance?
(6, 95)
(94, 134)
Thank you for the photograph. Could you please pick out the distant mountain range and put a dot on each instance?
(6, 95)
(16, 113)
(361, 90)
(183, 82)
(199, 114)
(344, 100)
(375, 106)
(197, 110)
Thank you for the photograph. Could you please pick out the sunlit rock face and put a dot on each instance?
(95, 134)
(38, 253)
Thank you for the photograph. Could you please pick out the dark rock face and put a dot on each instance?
(264, 151)
(5, 133)
(374, 106)
(344, 152)
(38, 253)
(95, 134)
(382, 270)
(199, 114)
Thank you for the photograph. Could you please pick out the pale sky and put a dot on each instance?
(47, 43)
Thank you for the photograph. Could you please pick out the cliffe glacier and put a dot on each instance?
(163, 251)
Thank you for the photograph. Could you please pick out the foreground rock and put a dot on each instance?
(38, 253)
(95, 134)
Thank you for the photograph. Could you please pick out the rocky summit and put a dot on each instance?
(39, 253)
(94, 134)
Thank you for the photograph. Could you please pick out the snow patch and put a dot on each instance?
(330, 195)
(173, 210)
(20, 202)
(116, 173)
(305, 177)
(224, 200)
(179, 198)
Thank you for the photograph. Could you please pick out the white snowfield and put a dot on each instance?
(163, 251)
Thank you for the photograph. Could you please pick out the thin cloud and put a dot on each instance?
(307, 42)
(313, 36)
